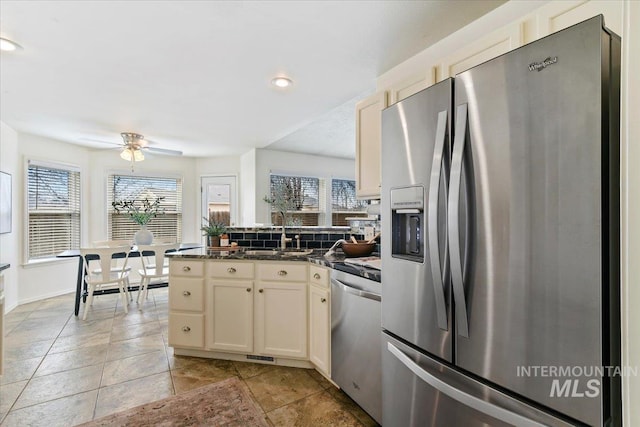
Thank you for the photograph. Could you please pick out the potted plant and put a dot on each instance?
(141, 212)
(213, 230)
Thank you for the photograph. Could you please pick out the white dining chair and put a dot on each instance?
(110, 244)
(153, 267)
(108, 276)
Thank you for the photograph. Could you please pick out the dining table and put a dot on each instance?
(81, 291)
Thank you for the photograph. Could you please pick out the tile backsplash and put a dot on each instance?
(310, 237)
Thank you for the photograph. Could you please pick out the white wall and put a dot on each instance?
(268, 161)
(9, 243)
(247, 187)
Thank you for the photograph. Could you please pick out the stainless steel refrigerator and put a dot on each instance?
(500, 251)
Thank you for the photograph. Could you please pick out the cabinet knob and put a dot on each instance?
(186, 329)
(186, 293)
(231, 270)
(261, 290)
(316, 276)
(282, 273)
(186, 268)
(323, 300)
(248, 289)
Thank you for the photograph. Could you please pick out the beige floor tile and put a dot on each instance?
(64, 412)
(26, 350)
(199, 372)
(18, 370)
(324, 383)
(76, 325)
(134, 347)
(23, 335)
(248, 369)
(319, 409)
(351, 406)
(135, 316)
(80, 340)
(61, 384)
(281, 386)
(130, 368)
(129, 394)
(8, 395)
(59, 362)
(129, 331)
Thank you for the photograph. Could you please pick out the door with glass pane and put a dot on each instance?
(219, 199)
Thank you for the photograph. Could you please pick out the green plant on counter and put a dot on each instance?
(212, 228)
(140, 211)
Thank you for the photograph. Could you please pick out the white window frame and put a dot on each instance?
(53, 165)
(145, 174)
(322, 194)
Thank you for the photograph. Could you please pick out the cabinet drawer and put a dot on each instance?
(186, 268)
(230, 270)
(319, 276)
(186, 330)
(186, 294)
(283, 272)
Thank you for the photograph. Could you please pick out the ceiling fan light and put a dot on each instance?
(8, 45)
(126, 154)
(138, 156)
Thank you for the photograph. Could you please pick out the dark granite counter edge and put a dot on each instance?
(317, 257)
(4, 266)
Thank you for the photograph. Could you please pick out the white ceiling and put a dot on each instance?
(195, 75)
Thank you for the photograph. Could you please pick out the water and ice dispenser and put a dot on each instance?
(407, 223)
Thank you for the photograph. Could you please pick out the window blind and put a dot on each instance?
(54, 210)
(305, 198)
(344, 203)
(126, 187)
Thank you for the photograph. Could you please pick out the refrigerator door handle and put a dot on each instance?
(432, 218)
(466, 399)
(453, 217)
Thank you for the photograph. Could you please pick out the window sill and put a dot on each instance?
(34, 263)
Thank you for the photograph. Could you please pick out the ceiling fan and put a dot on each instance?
(134, 145)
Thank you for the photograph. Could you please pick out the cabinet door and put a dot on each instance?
(319, 328)
(281, 319)
(368, 131)
(410, 86)
(231, 316)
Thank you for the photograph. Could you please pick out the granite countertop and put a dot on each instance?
(335, 261)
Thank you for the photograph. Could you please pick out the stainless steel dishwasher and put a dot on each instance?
(355, 340)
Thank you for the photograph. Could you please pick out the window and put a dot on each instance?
(304, 195)
(344, 203)
(137, 188)
(53, 209)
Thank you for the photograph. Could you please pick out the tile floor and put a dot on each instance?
(62, 371)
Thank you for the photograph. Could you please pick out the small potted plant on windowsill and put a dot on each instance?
(141, 212)
(213, 230)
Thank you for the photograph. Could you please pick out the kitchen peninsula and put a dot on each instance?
(266, 306)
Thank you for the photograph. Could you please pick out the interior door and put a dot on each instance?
(527, 159)
(220, 199)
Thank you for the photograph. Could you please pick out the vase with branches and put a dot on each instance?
(285, 197)
(141, 211)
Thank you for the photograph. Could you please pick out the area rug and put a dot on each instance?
(225, 403)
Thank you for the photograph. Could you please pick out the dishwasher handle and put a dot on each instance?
(357, 292)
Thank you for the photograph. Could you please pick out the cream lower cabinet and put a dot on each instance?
(186, 304)
(320, 319)
(230, 306)
(281, 310)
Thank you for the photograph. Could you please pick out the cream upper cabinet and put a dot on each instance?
(407, 87)
(558, 15)
(368, 136)
(320, 328)
(494, 44)
(231, 316)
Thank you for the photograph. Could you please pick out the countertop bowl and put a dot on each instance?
(362, 248)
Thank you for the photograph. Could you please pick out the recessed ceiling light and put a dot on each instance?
(282, 81)
(7, 45)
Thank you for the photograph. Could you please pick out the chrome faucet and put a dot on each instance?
(297, 236)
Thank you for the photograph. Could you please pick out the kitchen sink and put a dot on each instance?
(296, 252)
(268, 252)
